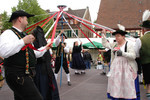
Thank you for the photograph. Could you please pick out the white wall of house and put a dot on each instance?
(70, 41)
(94, 52)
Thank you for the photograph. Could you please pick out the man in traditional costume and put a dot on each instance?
(20, 64)
(142, 48)
(62, 50)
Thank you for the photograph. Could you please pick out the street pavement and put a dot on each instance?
(89, 86)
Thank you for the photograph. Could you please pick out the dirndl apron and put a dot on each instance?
(122, 80)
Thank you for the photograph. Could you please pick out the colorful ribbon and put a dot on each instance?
(91, 30)
(49, 19)
(30, 45)
(36, 24)
(1, 64)
(71, 28)
(54, 30)
(87, 37)
(96, 25)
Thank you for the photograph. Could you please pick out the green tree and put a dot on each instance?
(31, 7)
(5, 23)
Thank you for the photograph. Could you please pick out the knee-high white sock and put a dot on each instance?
(83, 71)
(148, 96)
(141, 77)
(104, 69)
(76, 71)
(68, 77)
(56, 76)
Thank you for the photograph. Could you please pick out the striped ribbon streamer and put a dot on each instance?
(96, 25)
(87, 37)
(71, 28)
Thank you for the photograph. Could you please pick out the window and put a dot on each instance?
(76, 32)
(100, 34)
(133, 34)
(128, 34)
(108, 35)
(57, 32)
(69, 33)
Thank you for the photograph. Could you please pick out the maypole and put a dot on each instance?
(61, 7)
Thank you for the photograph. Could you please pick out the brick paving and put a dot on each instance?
(91, 86)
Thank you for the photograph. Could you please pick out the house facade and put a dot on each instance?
(82, 13)
(125, 12)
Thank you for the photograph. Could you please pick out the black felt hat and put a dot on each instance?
(119, 32)
(19, 13)
(146, 24)
(64, 35)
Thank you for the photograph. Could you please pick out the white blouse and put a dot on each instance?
(138, 45)
(10, 44)
(58, 40)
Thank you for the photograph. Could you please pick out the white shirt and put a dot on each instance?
(107, 49)
(10, 44)
(58, 40)
(50, 51)
(138, 45)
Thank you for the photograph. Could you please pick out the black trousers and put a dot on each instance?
(23, 87)
(58, 65)
(146, 73)
(139, 65)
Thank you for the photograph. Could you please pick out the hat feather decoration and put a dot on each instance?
(146, 15)
(120, 31)
(121, 27)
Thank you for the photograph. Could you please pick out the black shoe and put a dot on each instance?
(77, 73)
(141, 83)
(103, 73)
(82, 72)
(69, 84)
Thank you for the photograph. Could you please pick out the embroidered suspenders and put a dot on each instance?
(27, 54)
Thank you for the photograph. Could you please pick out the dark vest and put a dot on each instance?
(17, 62)
(60, 50)
(145, 49)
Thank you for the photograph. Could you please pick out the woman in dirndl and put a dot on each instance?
(123, 81)
(77, 60)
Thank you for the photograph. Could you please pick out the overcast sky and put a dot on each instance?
(93, 5)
